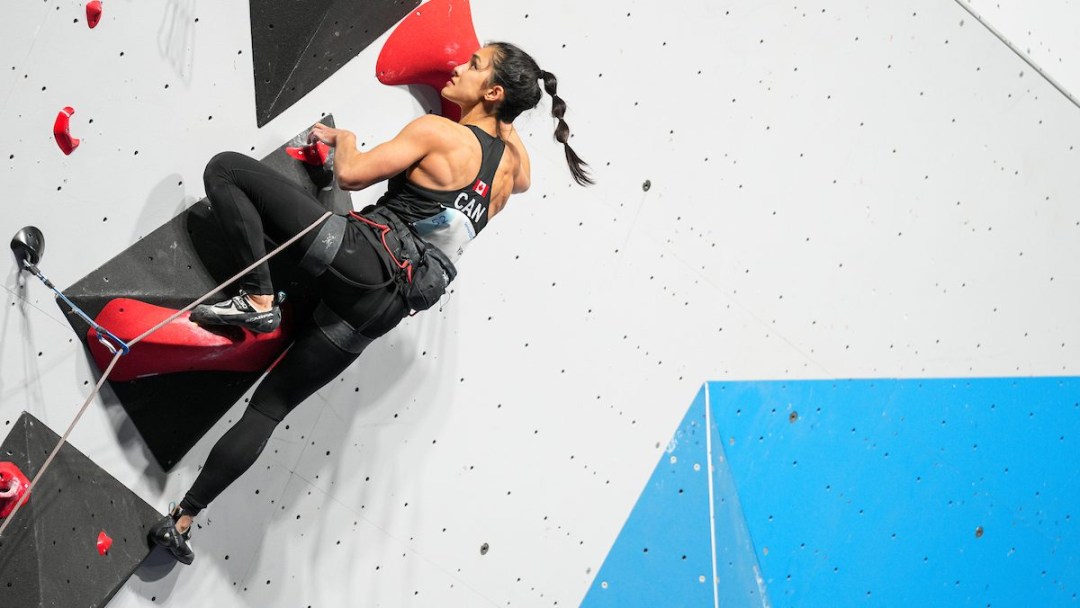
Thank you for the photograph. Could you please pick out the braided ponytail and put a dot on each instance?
(562, 131)
(517, 73)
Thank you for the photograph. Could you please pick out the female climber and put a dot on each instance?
(446, 181)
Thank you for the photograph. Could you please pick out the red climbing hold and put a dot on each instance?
(93, 13)
(103, 543)
(181, 345)
(13, 485)
(314, 154)
(63, 136)
(426, 47)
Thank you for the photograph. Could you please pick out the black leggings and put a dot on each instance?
(252, 202)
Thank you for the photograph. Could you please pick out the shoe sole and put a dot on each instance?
(208, 317)
(183, 559)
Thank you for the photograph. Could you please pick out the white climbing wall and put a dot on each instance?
(835, 190)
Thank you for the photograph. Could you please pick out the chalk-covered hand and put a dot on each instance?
(327, 135)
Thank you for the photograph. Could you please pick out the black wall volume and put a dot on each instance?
(295, 46)
(171, 267)
(49, 554)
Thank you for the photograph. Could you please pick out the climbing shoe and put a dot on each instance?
(165, 534)
(239, 311)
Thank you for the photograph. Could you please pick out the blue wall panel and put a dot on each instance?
(951, 492)
(664, 554)
(909, 492)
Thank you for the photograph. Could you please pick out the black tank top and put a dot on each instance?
(448, 219)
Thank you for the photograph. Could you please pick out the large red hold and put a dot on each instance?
(426, 47)
(181, 345)
(13, 485)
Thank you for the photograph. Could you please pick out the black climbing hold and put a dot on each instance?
(28, 245)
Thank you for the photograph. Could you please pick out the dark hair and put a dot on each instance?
(518, 74)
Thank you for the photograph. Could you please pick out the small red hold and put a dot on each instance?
(103, 543)
(13, 485)
(93, 13)
(62, 133)
(314, 154)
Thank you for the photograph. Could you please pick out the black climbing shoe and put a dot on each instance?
(165, 534)
(238, 311)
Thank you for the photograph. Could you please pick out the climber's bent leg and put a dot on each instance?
(252, 201)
